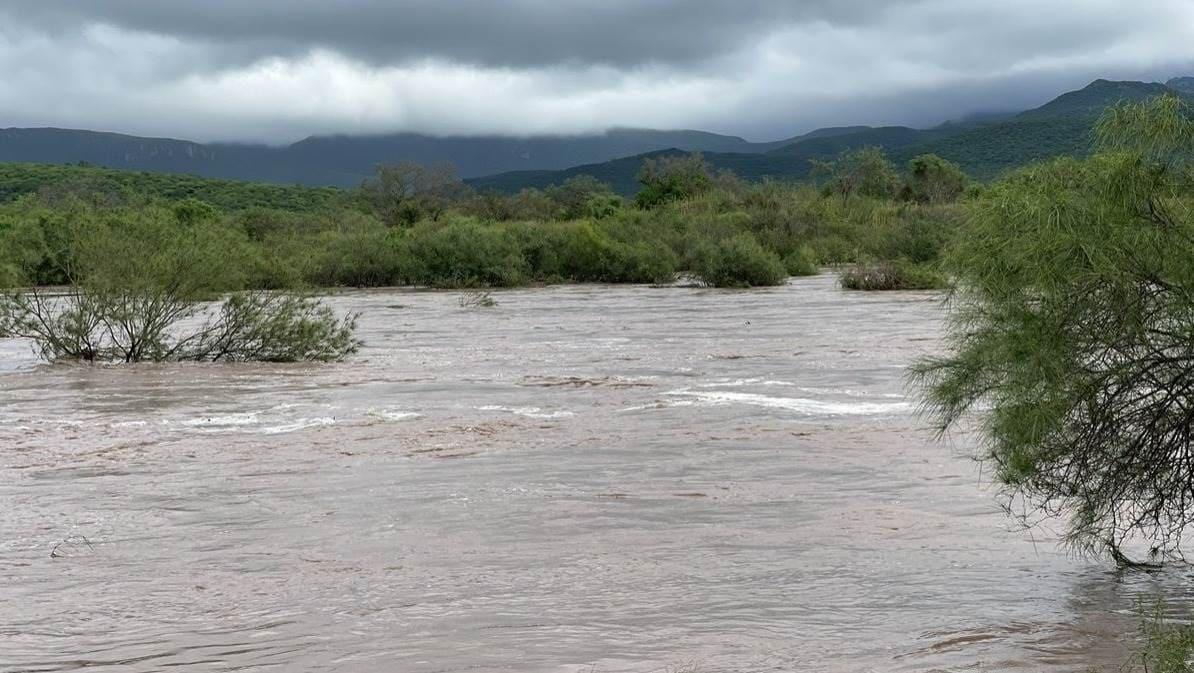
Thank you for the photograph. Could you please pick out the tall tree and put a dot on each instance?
(863, 172)
(404, 193)
(932, 179)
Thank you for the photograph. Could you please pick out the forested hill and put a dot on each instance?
(982, 148)
(56, 182)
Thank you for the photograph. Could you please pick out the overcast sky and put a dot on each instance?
(279, 70)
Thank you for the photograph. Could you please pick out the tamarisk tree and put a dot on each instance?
(1071, 335)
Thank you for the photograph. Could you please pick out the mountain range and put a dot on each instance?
(982, 145)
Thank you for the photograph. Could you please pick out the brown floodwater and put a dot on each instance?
(581, 479)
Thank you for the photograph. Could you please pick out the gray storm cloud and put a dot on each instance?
(275, 70)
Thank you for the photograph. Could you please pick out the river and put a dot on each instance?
(581, 479)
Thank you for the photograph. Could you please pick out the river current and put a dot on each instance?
(596, 479)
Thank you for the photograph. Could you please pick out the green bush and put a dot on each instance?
(360, 252)
(736, 262)
(587, 252)
(461, 253)
(897, 275)
(138, 280)
(1167, 647)
(801, 262)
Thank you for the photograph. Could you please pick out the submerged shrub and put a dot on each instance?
(477, 299)
(272, 327)
(736, 262)
(897, 275)
(136, 278)
(85, 326)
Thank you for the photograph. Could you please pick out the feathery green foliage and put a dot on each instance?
(1072, 333)
(669, 178)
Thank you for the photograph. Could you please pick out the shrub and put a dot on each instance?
(404, 193)
(360, 253)
(137, 277)
(897, 275)
(271, 327)
(580, 195)
(801, 262)
(590, 254)
(736, 262)
(88, 326)
(477, 299)
(1167, 647)
(461, 253)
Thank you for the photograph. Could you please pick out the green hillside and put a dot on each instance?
(18, 179)
(984, 149)
(1092, 99)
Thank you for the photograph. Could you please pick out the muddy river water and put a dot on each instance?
(596, 479)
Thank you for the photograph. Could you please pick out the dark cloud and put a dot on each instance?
(513, 33)
(277, 70)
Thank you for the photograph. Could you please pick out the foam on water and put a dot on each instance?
(226, 421)
(800, 405)
(528, 412)
(393, 414)
(300, 424)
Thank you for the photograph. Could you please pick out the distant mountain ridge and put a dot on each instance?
(983, 144)
(983, 148)
(346, 160)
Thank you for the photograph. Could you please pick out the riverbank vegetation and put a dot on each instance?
(1072, 335)
(416, 225)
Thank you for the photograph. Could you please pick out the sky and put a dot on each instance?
(276, 71)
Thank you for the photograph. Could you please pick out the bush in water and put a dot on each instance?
(897, 275)
(736, 262)
(136, 278)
